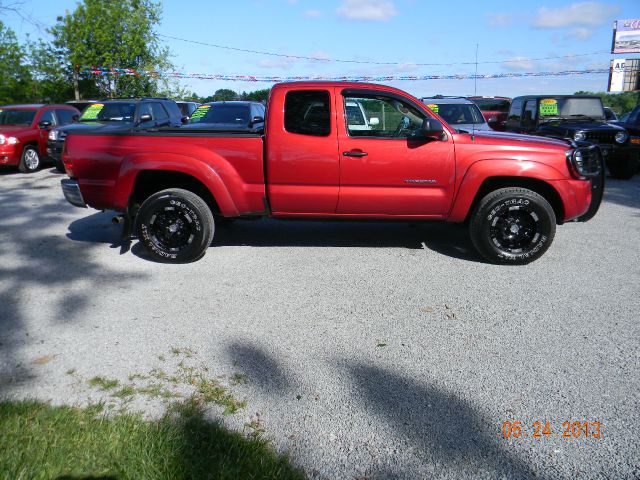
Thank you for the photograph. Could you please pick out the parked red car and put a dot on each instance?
(316, 161)
(24, 130)
(494, 110)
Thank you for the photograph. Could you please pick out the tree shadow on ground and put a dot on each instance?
(447, 429)
(33, 260)
(441, 427)
(258, 364)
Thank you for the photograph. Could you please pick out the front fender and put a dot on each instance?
(478, 172)
(134, 163)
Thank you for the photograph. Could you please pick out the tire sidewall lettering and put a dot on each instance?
(507, 203)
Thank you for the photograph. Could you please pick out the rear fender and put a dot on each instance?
(480, 171)
(133, 164)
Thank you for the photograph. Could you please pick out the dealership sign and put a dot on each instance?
(624, 75)
(626, 36)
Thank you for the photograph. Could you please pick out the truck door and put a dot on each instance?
(384, 171)
(302, 161)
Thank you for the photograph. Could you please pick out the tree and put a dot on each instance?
(224, 94)
(257, 95)
(620, 103)
(15, 79)
(115, 35)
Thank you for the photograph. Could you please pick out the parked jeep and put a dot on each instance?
(631, 123)
(574, 117)
(24, 130)
(121, 114)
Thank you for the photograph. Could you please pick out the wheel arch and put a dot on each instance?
(148, 182)
(540, 187)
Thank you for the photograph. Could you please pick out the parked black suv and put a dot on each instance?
(117, 114)
(575, 117)
(233, 115)
(632, 125)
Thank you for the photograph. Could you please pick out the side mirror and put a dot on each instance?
(431, 128)
(44, 125)
(373, 121)
(75, 118)
(256, 119)
(145, 118)
(184, 120)
(492, 120)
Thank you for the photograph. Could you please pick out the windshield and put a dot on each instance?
(109, 112)
(458, 113)
(17, 117)
(492, 104)
(224, 113)
(572, 108)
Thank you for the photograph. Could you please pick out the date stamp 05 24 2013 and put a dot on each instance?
(539, 429)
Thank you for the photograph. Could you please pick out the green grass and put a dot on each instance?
(38, 441)
(103, 383)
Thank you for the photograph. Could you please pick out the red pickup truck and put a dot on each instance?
(317, 161)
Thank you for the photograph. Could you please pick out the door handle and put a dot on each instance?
(355, 154)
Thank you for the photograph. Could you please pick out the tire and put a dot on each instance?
(175, 226)
(513, 226)
(30, 160)
(622, 168)
(59, 166)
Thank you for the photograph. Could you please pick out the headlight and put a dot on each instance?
(621, 137)
(8, 140)
(53, 135)
(579, 136)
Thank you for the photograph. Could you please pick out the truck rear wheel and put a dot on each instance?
(175, 225)
(512, 226)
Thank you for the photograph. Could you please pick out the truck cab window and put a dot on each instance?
(308, 112)
(381, 117)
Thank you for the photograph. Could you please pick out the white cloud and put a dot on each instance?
(589, 14)
(283, 63)
(518, 64)
(320, 55)
(499, 19)
(313, 13)
(580, 33)
(406, 67)
(372, 10)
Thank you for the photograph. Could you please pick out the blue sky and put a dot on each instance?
(514, 36)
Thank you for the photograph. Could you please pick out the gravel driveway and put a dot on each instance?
(362, 349)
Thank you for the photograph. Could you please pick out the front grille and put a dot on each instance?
(601, 137)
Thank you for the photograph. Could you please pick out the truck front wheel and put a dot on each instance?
(175, 225)
(512, 226)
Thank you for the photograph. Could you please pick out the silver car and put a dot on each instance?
(460, 113)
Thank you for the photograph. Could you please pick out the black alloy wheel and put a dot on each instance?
(175, 225)
(512, 226)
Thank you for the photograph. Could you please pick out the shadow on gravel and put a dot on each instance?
(449, 240)
(34, 265)
(443, 426)
(260, 365)
(623, 192)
